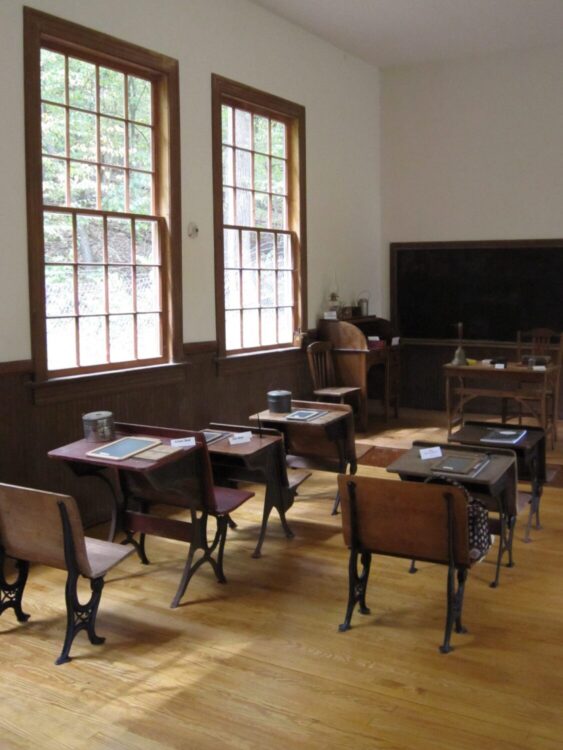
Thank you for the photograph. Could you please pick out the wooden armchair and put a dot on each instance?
(409, 520)
(542, 401)
(43, 527)
(323, 375)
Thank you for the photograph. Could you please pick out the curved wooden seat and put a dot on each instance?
(409, 520)
(44, 527)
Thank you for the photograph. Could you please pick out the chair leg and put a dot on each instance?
(357, 586)
(80, 616)
(454, 606)
(200, 542)
(11, 593)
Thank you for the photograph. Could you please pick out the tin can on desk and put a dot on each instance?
(279, 402)
(98, 426)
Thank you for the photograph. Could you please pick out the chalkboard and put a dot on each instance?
(494, 288)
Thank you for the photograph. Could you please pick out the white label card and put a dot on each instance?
(539, 368)
(499, 367)
(395, 341)
(240, 437)
(434, 452)
(187, 442)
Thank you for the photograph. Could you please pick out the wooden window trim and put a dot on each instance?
(227, 91)
(42, 29)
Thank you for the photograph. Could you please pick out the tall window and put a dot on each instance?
(102, 253)
(259, 170)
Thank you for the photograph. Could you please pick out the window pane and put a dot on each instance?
(148, 289)
(261, 210)
(261, 134)
(227, 124)
(279, 212)
(285, 325)
(269, 326)
(112, 141)
(120, 289)
(284, 255)
(140, 147)
(112, 92)
(243, 169)
(249, 250)
(250, 289)
(243, 128)
(53, 129)
(278, 138)
(250, 328)
(232, 289)
(119, 241)
(82, 135)
(140, 192)
(52, 76)
(268, 288)
(146, 240)
(285, 288)
(92, 347)
(61, 343)
(231, 249)
(228, 206)
(113, 189)
(267, 257)
(261, 173)
(149, 339)
(81, 84)
(83, 186)
(139, 99)
(244, 207)
(57, 233)
(91, 290)
(228, 172)
(54, 182)
(278, 176)
(121, 338)
(232, 330)
(59, 290)
(90, 239)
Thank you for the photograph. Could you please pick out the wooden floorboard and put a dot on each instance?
(258, 662)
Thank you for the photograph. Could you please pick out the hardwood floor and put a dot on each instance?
(258, 662)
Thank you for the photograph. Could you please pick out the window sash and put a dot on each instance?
(290, 190)
(43, 31)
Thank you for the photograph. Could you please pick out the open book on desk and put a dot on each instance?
(503, 436)
(462, 465)
(305, 415)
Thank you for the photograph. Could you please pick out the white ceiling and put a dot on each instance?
(397, 32)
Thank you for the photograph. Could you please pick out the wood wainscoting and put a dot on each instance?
(36, 418)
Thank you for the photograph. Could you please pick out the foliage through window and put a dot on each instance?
(260, 250)
(103, 239)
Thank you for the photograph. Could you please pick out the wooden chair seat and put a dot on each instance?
(46, 528)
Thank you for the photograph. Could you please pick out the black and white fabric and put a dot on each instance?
(480, 539)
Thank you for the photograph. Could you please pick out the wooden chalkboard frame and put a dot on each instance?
(466, 247)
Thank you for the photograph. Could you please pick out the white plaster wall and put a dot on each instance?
(473, 150)
(236, 39)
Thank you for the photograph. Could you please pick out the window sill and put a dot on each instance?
(69, 388)
(250, 361)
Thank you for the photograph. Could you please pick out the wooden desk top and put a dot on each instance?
(77, 452)
(321, 421)
(514, 369)
(410, 463)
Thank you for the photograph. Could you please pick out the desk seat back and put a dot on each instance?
(188, 480)
(406, 519)
(317, 443)
(31, 527)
